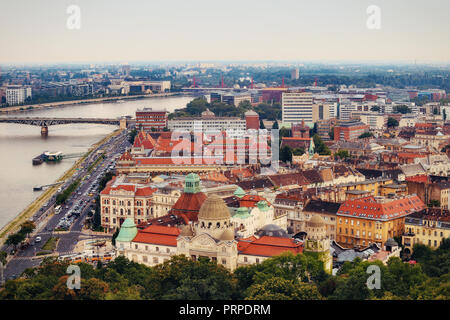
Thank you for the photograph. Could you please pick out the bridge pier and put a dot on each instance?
(44, 131)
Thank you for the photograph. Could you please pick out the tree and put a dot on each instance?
(15, 239)
(366, 135)
(342, 154)
(298, 151)
(277, 288)
(320, 147)
(331, 134)
(392, 122)
(275, 125)
(27, 227)
(286, 154)
(132, 135)
(403, 109)
(261, 124)
(93, 289)
(3, 256)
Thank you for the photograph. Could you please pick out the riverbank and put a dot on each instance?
(43, 106)
(28, 212)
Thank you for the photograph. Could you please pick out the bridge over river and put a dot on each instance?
(44, 123)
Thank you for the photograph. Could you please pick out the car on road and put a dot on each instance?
(38, 239)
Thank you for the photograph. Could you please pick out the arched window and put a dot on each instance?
(121, 211)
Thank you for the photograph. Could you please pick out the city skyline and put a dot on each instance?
(410, 31)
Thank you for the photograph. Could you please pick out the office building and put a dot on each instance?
(297, 107)
(16, 95)
(148, 119)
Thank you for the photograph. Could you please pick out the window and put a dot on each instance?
(135, 246)
(167, 250)
(144, 258)
(155, 260)
(245, 259)
(157, 249)
(224, 261)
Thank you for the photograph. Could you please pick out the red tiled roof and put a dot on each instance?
(369, 208)
(410, 155)
(144, 192)
(269, 246)
(250, 200)
(188, 205)
(419, 178)
(158, 235)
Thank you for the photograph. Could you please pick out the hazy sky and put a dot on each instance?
(35, 31)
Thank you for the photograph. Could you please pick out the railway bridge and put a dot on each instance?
(44, 123)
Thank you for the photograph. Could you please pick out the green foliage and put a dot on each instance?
(275, 125)
(62, 197)
(403, 109)
(3, 256)
(320, 147)
(392, 122)
(283, 277)
(298, 151)
(342, 154)
(366, 135)
(132, 135)
(286, 154)
(269, 111)
(277, 288)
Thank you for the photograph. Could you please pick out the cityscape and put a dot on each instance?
(221, 176)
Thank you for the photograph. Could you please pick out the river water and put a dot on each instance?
(19, 144)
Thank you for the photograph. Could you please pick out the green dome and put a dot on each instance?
(239, 192)
(242, 213)
(128, 231)
(262, 205)
(192, 183)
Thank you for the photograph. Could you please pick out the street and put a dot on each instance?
(73, 212)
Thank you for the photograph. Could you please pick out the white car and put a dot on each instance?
(38, 239)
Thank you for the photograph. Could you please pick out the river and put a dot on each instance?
(20, 143)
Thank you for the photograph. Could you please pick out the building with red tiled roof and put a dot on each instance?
(373, 219)
(211, 236)
(120, 200)
(190, 201)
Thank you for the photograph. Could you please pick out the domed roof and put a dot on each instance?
(315, 221)
(214, 208)
(228, 235)
(186, 231)
(239, 192)
(391, 243)
(242, 213)
(262, 205)
(272, 230)
(128, 231)
(250, 113)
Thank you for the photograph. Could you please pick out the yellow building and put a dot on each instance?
(373, 219)
(428, 227)
(366, 188)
